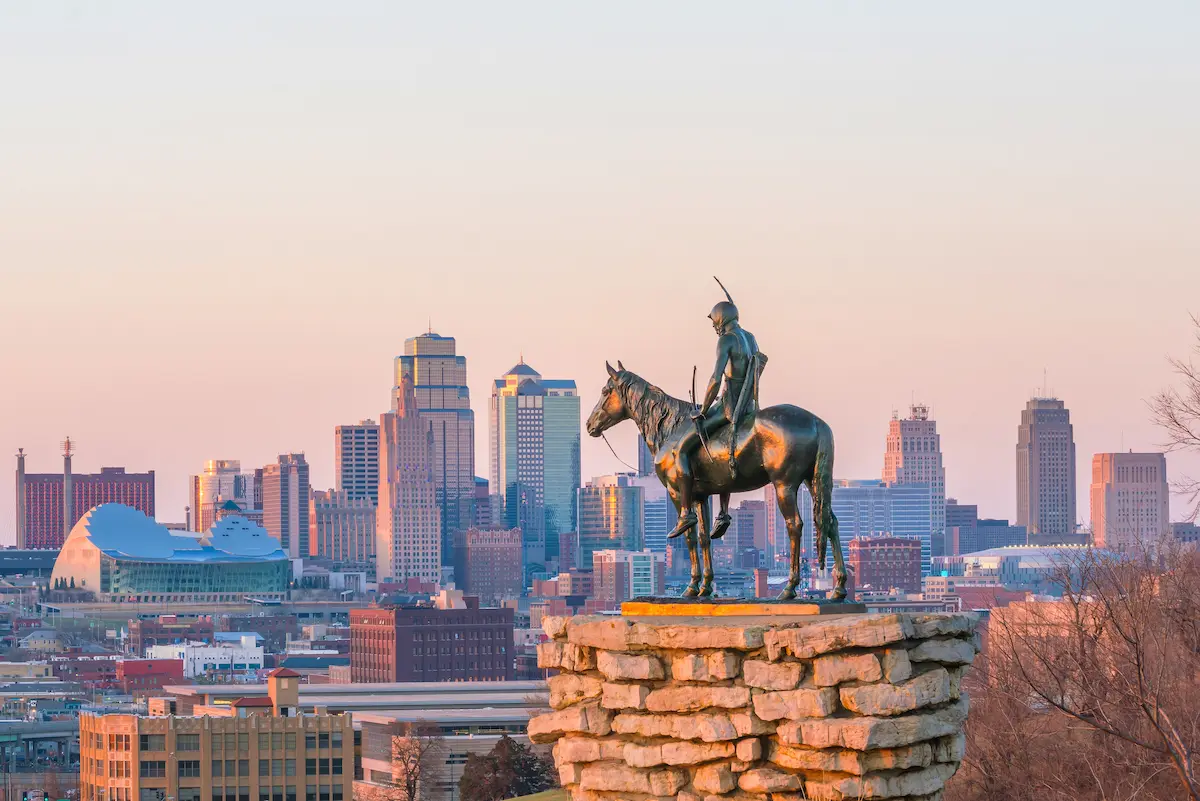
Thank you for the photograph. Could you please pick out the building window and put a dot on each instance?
(244, 767)
(152, 742)
(264, 741)
(187, 742)
(264, 767)
(217, 768)
(310, 767)
(189, 768)
(290, 740)
(337, 766)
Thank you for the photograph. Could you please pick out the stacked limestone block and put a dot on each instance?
(838, 707)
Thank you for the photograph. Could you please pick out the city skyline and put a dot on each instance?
(951, 210)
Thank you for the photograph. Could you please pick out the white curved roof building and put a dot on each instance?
(120, 554)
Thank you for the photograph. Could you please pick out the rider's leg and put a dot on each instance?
(723, 519)
(687, 517)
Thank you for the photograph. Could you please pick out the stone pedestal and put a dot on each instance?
(705, 708)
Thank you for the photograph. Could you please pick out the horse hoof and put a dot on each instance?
(690, 592)
(708, 592)
(838, 595)
(788, 594)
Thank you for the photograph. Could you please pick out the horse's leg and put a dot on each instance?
(824, 520)
(705, 519)
(693, 587)
(785, 496)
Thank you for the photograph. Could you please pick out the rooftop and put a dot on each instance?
(122, 532)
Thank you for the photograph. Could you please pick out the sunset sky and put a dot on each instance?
(218, 225)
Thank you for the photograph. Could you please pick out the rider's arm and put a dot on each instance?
(714, 383)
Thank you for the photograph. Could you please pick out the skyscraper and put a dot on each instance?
(914, 456)
(535, 467)
(408, 528)
(221, 481)
(342, 528)
(439, 379)
(356, 460)
(1046, 472)
(1130, 501)
(50, 504)
(286, 493)
(749, 528)
(645, 458)
(610, 516)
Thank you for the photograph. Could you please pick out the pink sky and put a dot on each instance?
(216, 233)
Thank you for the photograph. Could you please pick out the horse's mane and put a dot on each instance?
(657, 414)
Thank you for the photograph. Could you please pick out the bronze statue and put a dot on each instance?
(731, 446)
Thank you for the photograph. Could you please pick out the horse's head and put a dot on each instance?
(610, 409)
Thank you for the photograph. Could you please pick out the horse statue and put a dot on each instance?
(786, 446)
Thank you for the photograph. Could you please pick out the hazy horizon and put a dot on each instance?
(219, 224)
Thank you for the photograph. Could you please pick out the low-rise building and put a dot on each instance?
(140, 677)
(454, 641)
(246, 752)
(886, 563)
(215, 661)
(487, 564)
(622, 575)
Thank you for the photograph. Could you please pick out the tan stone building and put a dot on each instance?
(1130, 501)
(257, 749)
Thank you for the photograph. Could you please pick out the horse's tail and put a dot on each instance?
(825, 521)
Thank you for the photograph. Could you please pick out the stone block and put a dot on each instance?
(837, 760)
(577, 749)
(868, 733)
(569, 773)
(948, 652)
(956, 675)
(642, 756)
(689, 753)
(716, 666)
(623, 696)
(765, 780)
(696, 638)
(565, 656)
(585, 719)
(571, 688)
(554, 627)
(772, 676)
(927, 689)
(942, 625)
(714, 779)
(607, 633)
(748, 724)
(909, 783)
(896, 665)
(709, 727)
(750, 750)
(693, 699)
(629, 666)
(837, 668)
(950, 749)
(818, 637)
(796, 704)
(618, 777)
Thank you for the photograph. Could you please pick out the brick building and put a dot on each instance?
(487, 564)
(140, 677)
(885, 563)
(43, 499)
(390, 644)
(275, 630)
(167, 630)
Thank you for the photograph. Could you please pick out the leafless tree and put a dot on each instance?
(416, 752)
(1111, 670)
(1177, 411)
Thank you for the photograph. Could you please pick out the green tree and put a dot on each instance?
(72, 582)
(509, 770)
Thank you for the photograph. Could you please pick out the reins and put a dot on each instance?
(604, 437)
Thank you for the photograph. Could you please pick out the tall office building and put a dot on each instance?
(749, 528)
(356, 460)
(619, 576)
(439, 379)
(658, 513)
(535, 468)
(487, 564)
(408, 527)
(1046, 472)
(610, 516)
(914, 456)
(221, 481)
(50, 504)
(286, 493)
(1130, 501)
(872, 508)
(342, 528)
